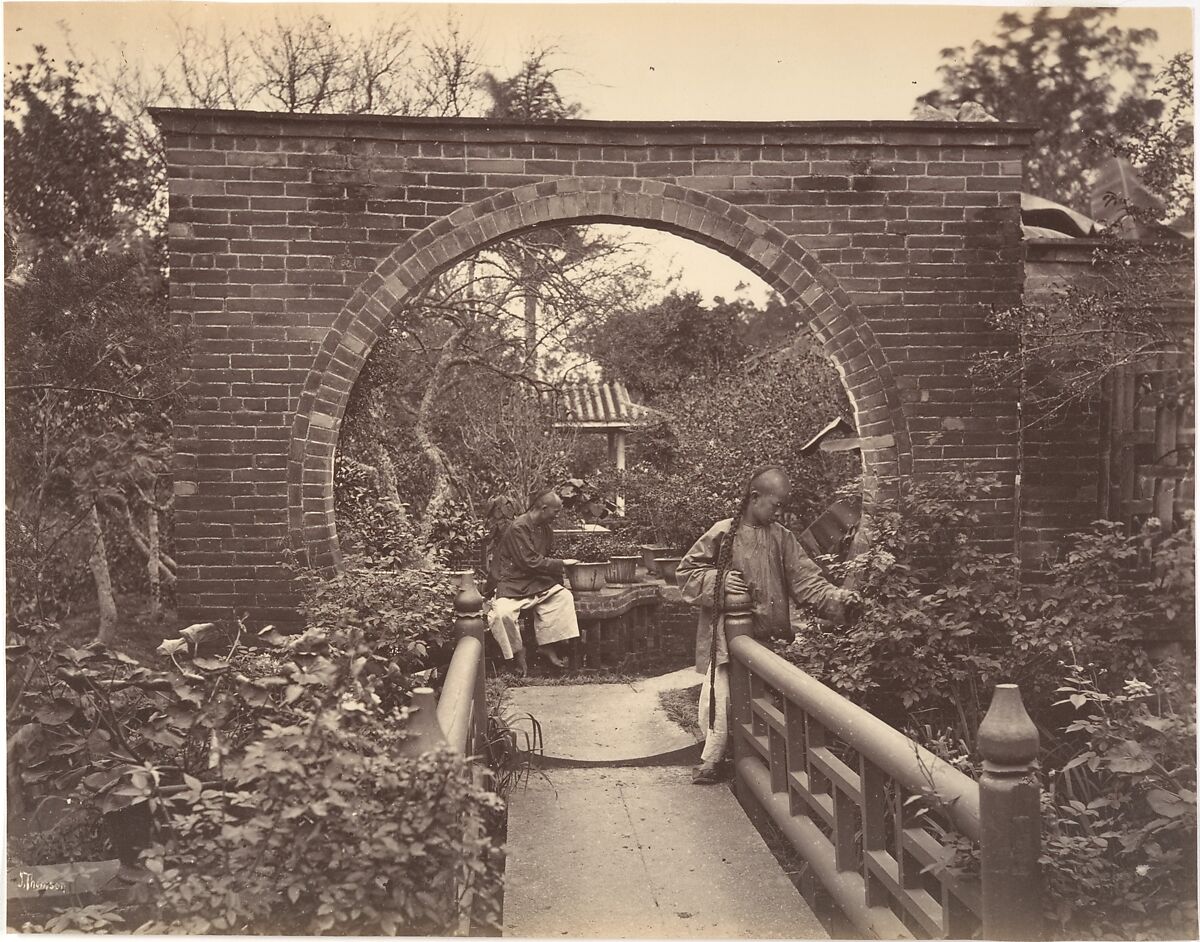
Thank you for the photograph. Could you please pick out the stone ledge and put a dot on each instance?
(631, 133)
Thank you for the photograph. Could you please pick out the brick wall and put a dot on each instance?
(1061, 452)
(294, 238)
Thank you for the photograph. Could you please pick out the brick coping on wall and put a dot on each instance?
(219, 121)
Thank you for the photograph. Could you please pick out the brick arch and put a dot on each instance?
(780, 261)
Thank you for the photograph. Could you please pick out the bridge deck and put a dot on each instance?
(635, 852)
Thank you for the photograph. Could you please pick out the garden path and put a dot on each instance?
(614, 841)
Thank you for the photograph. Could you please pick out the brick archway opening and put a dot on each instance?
(780, 261)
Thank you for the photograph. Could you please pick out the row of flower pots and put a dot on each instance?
(618, 570)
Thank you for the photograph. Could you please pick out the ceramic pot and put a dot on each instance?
(587, 577)
(623, 569)
(650, 552)
(666, 566)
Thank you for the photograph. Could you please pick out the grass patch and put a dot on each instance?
(583, 676)
(681, 707)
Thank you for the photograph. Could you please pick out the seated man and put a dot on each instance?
(528, 579)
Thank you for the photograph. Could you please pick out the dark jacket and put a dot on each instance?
(524, 567)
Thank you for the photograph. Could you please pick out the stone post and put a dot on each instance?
(469, 623)
(424, 730)
(1010, 819)
(739, 620)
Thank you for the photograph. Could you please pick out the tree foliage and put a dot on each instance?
(72, 182)
(92, 359)
(1163, 151)
(466, 351)
(1072, 73)
(722, 427)
(309, 65)
(532, 92)
(655, 349)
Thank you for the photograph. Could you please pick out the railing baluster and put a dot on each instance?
(779, 761)
(874, 796)
(908, 869)
(818, 782)
(797, 760)
(845, 828)
(757, 724)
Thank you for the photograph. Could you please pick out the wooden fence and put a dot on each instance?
(1149, 436)
(877, 818)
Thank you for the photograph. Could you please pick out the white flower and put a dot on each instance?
(1142, 869)
(351, 705)
(1137, 688)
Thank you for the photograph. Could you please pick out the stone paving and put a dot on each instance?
(599, 848)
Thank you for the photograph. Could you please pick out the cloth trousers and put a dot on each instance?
(717, 738)
(553, 619)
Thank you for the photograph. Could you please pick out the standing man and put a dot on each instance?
(754, 554)
(528, 578)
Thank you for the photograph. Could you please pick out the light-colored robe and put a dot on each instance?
(778, 572)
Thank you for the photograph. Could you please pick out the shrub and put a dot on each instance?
(1119, 808)
(457, 535)
(295, 807)
(369, 525)
(585, 547)
(945, 620)
(326, 831)
(406, 617)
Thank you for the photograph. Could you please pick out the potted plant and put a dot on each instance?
(666, 566)
(650, 552)
(588, 554)
(623, 559)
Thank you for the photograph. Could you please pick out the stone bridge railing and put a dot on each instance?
(458, 718)
(876, 817)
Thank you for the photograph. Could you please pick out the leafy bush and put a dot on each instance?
(945, 620)
(457, 535)
(370, 525)
(585, 547)
(322, 832)
(407, 617)
(1119, 809)
(277, 778)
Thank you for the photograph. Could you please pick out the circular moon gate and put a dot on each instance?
(779, 260)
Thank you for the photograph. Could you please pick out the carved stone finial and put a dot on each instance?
(739, 615)
(1008, 740)
(468, 604)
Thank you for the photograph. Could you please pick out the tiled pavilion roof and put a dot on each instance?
(603, 406)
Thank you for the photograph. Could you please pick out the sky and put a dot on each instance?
(634, 61)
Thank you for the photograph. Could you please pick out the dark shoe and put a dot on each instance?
(706, 775)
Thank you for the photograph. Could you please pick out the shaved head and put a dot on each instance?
(547, 498)
(766, 494)
(545, 505)
(770, 481)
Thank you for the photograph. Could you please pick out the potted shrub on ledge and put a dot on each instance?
(666, 566)
(588, 561)
(623, 559)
